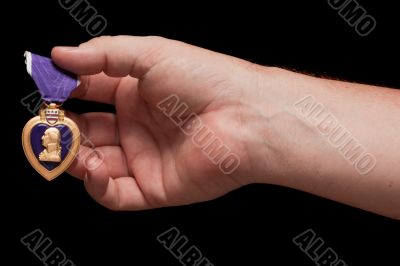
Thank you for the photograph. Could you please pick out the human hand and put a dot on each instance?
(148, 161)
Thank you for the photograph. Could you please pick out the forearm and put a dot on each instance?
(335, 139)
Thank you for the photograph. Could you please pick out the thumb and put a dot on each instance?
(116, 56)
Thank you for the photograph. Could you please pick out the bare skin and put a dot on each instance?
(149, 163)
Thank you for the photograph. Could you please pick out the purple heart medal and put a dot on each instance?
(50, 140)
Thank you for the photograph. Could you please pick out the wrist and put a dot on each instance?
(272, 127)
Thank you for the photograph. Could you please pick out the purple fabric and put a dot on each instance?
(37, 147)
(54, 84)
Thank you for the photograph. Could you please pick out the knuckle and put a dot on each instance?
(96, 40)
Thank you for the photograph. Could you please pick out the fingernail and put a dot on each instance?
(67, 48)
(94, 160)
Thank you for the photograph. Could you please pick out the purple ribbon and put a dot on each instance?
(54, 83)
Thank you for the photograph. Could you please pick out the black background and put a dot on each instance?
(251, 226)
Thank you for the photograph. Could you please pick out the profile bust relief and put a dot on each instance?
(51, 142)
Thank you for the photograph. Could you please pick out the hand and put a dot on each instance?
(147, 160)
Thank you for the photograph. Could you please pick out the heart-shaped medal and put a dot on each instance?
(50, 141)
